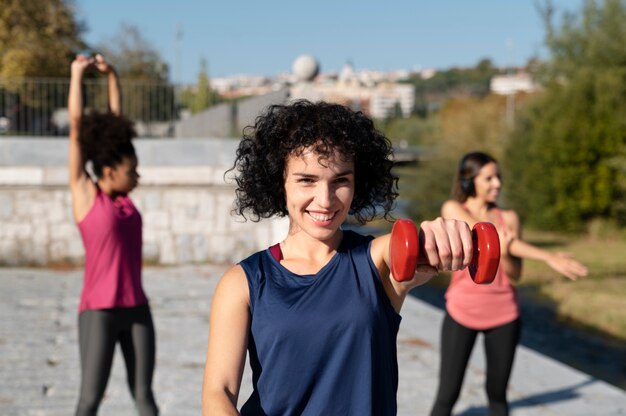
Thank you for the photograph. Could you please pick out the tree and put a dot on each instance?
(567, 158)
(37, 39)
(144, 76)
(462, 125)
(202, 95)
(432, 93)
(134, 57)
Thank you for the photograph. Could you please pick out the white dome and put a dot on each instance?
(305, 68)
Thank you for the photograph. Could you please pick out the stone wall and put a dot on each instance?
(184, 200)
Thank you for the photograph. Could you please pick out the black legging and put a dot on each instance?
(98, 332)
(457, 342)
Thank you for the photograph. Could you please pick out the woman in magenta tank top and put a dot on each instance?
(318, 313)
(113, 306)
(491, 309)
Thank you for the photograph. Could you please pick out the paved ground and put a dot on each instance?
(39, 354)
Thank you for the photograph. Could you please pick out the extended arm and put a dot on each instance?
(563, 263)
(115, 92)
(514, 248)
(228, 339)
(445, 244)
(81, 186)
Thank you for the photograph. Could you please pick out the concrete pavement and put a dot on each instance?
(40, 372)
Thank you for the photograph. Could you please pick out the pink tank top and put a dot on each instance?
(111, 233)
(482, 307)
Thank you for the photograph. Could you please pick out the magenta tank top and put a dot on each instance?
(111, 233)
(482, 307)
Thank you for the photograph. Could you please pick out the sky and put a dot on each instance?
(264, 37)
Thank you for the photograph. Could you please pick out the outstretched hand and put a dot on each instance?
(565, 264)
(447, 244)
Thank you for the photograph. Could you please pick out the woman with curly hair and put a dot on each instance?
(318, 312)
(113, 306)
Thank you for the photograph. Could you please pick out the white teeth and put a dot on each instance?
(321, 217)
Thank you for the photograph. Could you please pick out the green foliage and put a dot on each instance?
(414, 133)
(37, 39)
(425, 187)
(133, 56)
(433, 92)
(465, 124)
(147, 93)
(462, 125)
(454, 114)
(200, 96)
(410, 131)
(567, 159)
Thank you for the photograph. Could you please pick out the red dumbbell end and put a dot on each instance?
(403, 250)
(486, 257)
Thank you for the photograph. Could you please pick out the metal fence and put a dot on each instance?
(38, 106)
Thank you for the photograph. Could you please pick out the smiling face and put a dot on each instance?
(318, 193)
(487, 183)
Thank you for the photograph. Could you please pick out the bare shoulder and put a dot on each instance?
(510, 217)
(233, 285)
(451, 209)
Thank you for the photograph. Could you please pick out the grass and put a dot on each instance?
(597, 301)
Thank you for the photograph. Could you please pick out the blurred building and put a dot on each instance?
(380, 94)
(512, 84)
(376, 93)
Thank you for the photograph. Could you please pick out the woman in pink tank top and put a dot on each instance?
(113, 306)
(491, 309)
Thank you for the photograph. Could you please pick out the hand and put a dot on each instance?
(80, 64)
(565, 264)
(102, 65)
(447, 244)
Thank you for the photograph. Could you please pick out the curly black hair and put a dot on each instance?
(286, 130)
(105, 139)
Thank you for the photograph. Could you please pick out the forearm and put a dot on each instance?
(523, 250)
(75, 100)
(76, 167)
(115, 94)
(218, 403)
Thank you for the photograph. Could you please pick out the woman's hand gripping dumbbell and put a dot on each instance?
(405, 253)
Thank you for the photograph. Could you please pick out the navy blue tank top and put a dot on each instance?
(322, 344)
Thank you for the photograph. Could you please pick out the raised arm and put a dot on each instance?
(228, 340)
(115, 92)
(81, 186)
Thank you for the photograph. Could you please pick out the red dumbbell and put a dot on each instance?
(404, 252)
